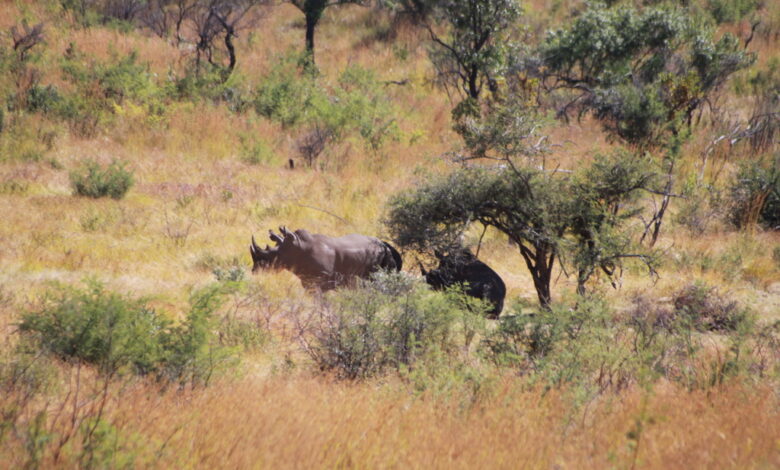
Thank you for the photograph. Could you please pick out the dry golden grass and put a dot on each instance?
(293, 421)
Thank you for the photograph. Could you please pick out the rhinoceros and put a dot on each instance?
(322, 262)
(479, 281)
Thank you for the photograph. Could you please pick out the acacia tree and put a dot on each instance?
(203, 24)
(551, 216)
(312, 11)
(582, 220)
(472, 53)
(213, 18)
(161, 16)
(643, 73)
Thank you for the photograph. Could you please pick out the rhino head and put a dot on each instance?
(269, 258)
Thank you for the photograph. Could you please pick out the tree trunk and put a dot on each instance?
(540, 263)
(473, 87)
(311, 24)
(231, 52)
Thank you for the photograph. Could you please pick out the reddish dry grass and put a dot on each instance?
(299, 422)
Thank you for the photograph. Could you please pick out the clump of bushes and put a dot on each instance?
(355, 106)
(95, 181)
(755, 195)
(119, 334)
(726, 11)
(593, 346)
(393, 322)
(708, 310)
(564, 345)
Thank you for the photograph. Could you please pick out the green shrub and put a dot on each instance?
(246, 333)
(192, 352)
(703, 207)
(230, 274)
(392, 322)
(118, 79)
(43, 99)
(92, 180)
(356, 105)
(255, 152)
(727, 11)
(286, 94)
(97, 327)
(707, 310)
(26, 139)
(120, 334)
(104, 89)
(755, 194)
(646, 69)
(596, 349)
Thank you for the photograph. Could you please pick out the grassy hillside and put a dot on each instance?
(209, 160)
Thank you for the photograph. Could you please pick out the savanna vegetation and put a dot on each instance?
(617, 163)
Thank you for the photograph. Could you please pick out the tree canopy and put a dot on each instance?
(642, 72)
(579, 219)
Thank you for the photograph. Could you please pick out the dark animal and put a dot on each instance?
(479, 281)
(323, 262)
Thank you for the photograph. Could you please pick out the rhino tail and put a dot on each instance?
(397, 262)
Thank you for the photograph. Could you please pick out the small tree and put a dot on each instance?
(312, 11)
(550, 216)
(163, 15)
(580, 219)
(473, 54)
(642, 73)
(215, 18)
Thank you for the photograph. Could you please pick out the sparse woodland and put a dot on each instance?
(617, 163)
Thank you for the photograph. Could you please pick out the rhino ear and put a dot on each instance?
(422, 269)
(288, 234)
(274, 237)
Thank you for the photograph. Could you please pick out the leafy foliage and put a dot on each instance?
(755, 194)
(642, 73)
(726, 11)
(121, 334)
(589, 345)
(356, 105)
(97, 327)
(708, 310)
(93, 180)
(474, 54)
(393, 322)
(546, 214)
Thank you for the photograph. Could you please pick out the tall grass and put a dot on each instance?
(294, 422)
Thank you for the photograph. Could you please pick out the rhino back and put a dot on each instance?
(338, 257)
